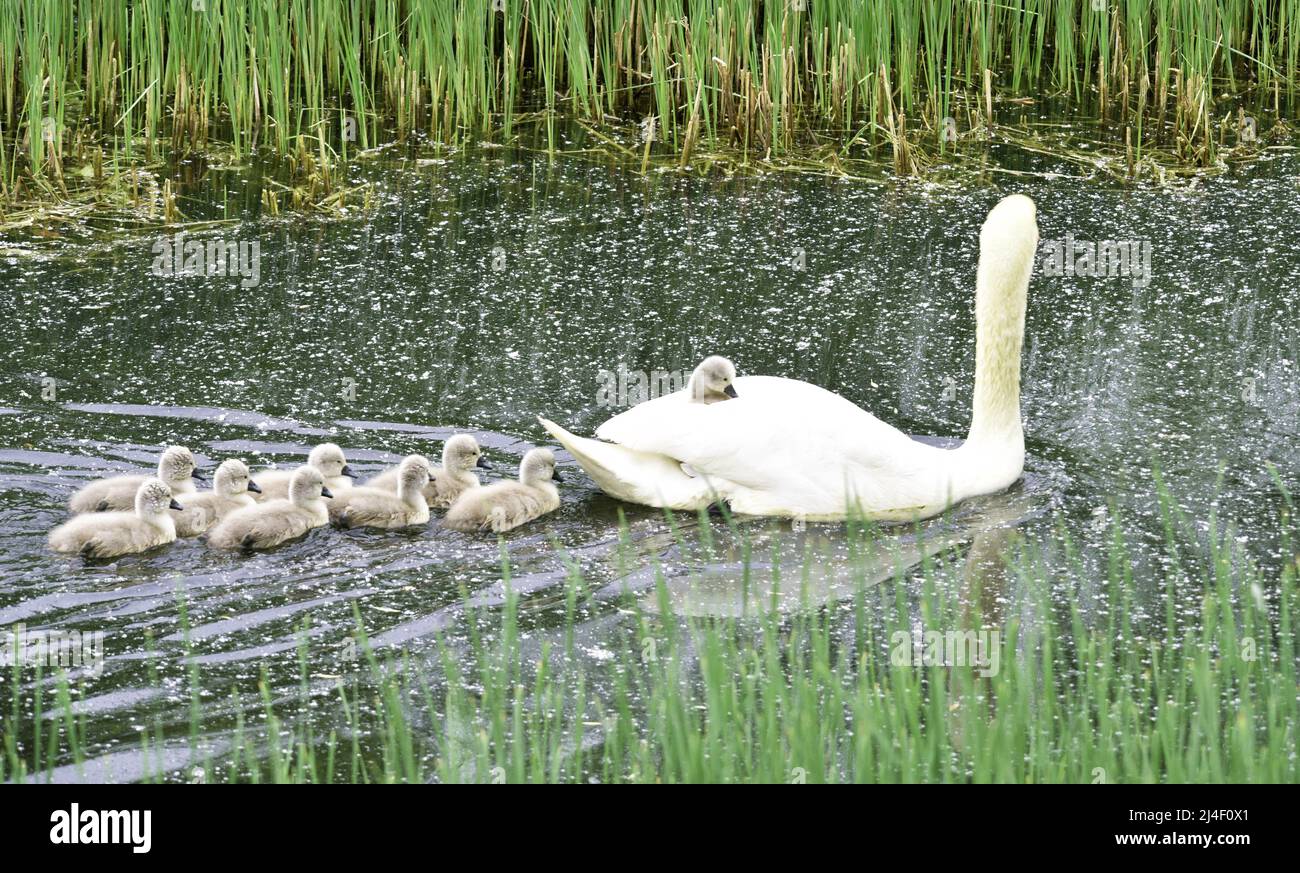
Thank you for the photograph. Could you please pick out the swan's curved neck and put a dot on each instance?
(1001, 284)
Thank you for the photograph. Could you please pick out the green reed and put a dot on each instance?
(758, 76)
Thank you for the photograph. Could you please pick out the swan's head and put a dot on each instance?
(461, 453)
(153, 497)
(177, 466)
(328, 458)
(307, 485)
(538, 466)
(712, 380)
(1011, 228)
(413, 472)
(232, 479)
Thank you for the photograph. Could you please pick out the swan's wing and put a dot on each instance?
(647, 478)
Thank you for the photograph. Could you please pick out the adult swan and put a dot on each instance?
(787, 448)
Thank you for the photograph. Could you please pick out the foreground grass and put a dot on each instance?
(92, 88)
(1206, 692)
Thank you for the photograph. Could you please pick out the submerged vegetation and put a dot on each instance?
(95, 90)
(1203, 690)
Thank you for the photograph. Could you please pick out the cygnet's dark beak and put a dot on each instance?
(483, 463)
(198, 474)
(349, 472)
(175, 504)
(730, 390)
(254, 487)
(555, 474)
(325, 492)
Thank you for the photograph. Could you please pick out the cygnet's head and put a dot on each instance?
(307, 485)
(538, 466)
(461, 453)
(153, 497)
(232, 479)
(328, 458)
(177, 465)
(413, 472)
(711, 381)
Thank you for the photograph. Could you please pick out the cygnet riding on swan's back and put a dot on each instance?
(326, 457)
(175, 469)
(713, 381)
(788, 448)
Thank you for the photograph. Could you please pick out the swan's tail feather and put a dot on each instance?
(637, 477)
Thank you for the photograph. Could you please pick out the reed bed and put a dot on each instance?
(1203, 689)
(93, 81)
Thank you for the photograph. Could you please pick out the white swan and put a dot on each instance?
(326, 457)
(460, 455)
(231, 489)
(113, 533)
(365, 506)
(503, 506)
(788, 448)
(264, 525)
(175, 468)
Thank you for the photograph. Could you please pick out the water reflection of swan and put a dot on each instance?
(820, 568)
(787, 448)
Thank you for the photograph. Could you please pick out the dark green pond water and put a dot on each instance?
(488, 289)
